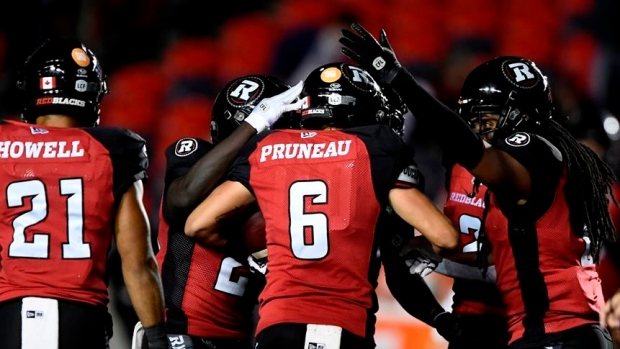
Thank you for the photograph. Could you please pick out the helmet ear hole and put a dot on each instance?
(62, 76)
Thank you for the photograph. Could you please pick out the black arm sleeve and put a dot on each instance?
(454, 136)
(413, 295)
(410, 291)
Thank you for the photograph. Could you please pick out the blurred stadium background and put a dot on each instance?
(166, 60)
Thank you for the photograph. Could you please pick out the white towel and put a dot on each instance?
(136, 338)
(39, 323)
(322, 337)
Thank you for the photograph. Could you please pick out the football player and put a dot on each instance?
(69, 190)
(547, 200)
(210, 295)
(323, 191)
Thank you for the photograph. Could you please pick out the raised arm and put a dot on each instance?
(190, 189)
(447, 127)
(186, 192)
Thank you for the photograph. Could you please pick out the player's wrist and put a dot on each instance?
(257, 122)
(156, 336)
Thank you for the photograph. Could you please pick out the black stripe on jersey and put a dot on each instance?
(175, 273)
(524, 242)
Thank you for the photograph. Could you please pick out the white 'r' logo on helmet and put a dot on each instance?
(243, 90)
(522, 71)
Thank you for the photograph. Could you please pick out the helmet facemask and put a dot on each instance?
(512, 88)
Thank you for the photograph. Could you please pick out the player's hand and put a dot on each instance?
(269, 110)
(420, 263)
(419, 256)
(377, 58)
(258, 262)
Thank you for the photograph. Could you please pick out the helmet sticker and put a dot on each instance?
(80, 57)
(334, 99)
(518, 139)
(60, 100)
(335, 87)
(331, 74)
(521, 74)
(245, 91)
(47, 82)
(81, 86)
(185, 146)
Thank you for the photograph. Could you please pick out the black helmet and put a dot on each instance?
(342, 95)
(511, 87)
(237, 100)
(62, 76)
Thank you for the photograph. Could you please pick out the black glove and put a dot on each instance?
(377, 58)
(447, 325)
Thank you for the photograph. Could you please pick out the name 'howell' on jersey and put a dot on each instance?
(35, 150)
(304, 150)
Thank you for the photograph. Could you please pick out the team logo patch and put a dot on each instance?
(308, 134)
(80, 57)
(518, 139)
(185, 147)
(245, 91)
(38, 131)
(521, 74)
(60, 100)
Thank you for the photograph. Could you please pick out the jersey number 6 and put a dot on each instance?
(300, 220)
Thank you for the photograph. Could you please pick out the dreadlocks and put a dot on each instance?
(588, 191)
(588, 187)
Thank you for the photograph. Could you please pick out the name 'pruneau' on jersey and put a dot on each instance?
(280, 151)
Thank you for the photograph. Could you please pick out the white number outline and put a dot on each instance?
(224, 281)
(317, 221)
(39, 247)
(467, 222)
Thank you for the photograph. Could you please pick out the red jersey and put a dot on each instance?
(204, 290)
(58, 207)
(544, 269)
(465, 207)
(321, 193)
